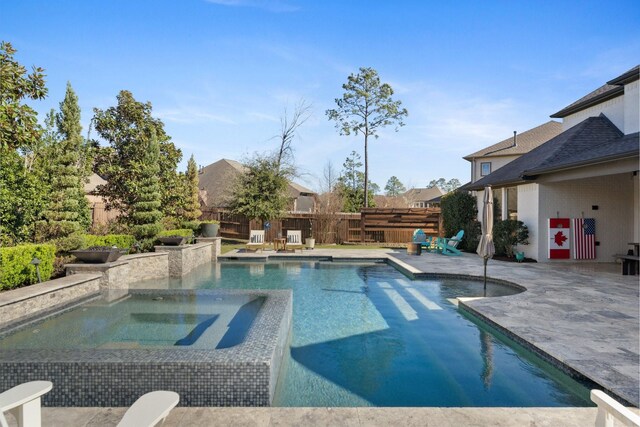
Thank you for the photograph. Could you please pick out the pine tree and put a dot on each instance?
(192, 203)
(68, 210)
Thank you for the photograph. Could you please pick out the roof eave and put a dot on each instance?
(614, 157)
(497, 184)
(613, 93)
(628, 77)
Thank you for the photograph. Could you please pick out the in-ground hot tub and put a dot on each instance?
(213, 347)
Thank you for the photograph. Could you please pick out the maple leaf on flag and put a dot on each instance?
(559, 238)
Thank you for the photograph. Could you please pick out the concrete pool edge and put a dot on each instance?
(243, 375)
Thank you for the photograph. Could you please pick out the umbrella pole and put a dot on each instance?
(485, 276)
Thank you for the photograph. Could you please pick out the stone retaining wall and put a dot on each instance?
(183, 259)
(23, 303)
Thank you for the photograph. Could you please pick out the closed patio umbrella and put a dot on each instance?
(485, 247)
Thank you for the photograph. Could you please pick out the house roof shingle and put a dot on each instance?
(525, 142)
(423, 194)
(593, 140)
(216, 183)
(613, 88)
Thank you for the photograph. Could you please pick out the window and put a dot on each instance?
(485, 168)
(512, 202)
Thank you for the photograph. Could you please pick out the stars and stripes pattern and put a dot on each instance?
(584, 238)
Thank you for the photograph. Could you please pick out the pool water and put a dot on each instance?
(366, 335)
(198, 321)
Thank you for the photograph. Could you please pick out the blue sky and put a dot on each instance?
(220, 73)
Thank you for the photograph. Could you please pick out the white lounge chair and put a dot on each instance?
(256, 240)
(23, 402)
(610, 410)
(150, 409)
(294, 240)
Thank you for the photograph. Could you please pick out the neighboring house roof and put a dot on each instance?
(94, 181)
(423, 194)
(612, 89)
(296, 190)
(216, 183)
(216, 180)
(383, 201)
(525, 141)
(594, 140)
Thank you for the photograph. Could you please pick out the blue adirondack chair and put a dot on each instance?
(419, 236)
(448, 246)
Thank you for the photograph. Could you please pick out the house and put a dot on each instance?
(423, 197)
(216, 186)
(589, 170)
(492, 158)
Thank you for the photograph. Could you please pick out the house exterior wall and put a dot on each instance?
(632, 108)
(614, 109)
(614, 197)
(496, 163)
(528, 205)
(636, 209)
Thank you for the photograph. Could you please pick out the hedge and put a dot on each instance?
(16, 268)
(122, 241)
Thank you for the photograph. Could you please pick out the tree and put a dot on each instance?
(351, 185)
(144, 210)
(19, 127)
(68, 210)
(192, 206)
(261, 191)
(394, 187)
(131, 164)
(288, 128)
(460, 212)
(444, 185)
(22, 198)
(22, 190)
(365, 107)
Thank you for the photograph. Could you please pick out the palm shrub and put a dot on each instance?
(507, 234)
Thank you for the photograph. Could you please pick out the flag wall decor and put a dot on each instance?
(584, 238)
(559, 242)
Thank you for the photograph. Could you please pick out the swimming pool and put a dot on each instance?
(214, 347)
(196, 321)
(366, 335)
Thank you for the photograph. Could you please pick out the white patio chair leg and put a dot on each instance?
(29, 414)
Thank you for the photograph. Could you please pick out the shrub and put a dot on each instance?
(460, 212)
(123, 241)
(184, 232)
(191, 225)
(16, 268)
(472, 233)
(210, 221)
(69, 243)
(507, 234)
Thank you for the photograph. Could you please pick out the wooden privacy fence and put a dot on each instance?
(396, 225)
(373, 225)
(99, 214)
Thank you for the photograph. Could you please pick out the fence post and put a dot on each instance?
(362, 226)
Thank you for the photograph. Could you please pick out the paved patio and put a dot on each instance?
(583, 314)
